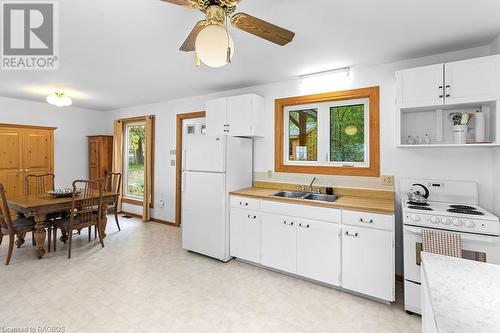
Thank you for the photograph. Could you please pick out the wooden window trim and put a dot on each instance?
(373, 170)
(135, 201)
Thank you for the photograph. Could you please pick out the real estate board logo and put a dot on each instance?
(30, 35)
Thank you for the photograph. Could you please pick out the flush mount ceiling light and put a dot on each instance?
(59, 99)
(210, 38)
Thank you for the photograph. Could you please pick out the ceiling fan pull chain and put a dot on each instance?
(197, 60)
(228, 60)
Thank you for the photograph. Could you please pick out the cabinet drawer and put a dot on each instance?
(245, 203)
(368, 220)
(302, 211)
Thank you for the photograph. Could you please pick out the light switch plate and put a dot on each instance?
(387, 180)
(172, 162)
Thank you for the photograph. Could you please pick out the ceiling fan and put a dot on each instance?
(210, 38)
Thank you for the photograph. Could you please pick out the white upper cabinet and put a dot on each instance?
(466, 81)
(420, 86)
(216, 116)
(473, 80)
(235, 116)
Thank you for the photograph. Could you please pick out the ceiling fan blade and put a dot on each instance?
(185, 3)
(189, 43)
(262, 29)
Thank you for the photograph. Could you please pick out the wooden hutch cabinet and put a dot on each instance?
(100, 155)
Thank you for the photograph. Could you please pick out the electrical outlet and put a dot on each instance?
(388, 180)
(161, 204)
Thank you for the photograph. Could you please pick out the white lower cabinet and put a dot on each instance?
(318, 251)
(368, 262)
(354, 250)
(244, 239)
(279, 243)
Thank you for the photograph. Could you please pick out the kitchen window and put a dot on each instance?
(134, 160)
(334, 133)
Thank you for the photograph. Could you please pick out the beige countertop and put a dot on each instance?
(358, 200)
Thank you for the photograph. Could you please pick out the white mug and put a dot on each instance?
(460, 134)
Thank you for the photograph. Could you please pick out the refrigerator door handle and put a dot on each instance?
(183, 182)
(184, 159)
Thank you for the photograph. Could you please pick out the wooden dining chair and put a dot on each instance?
(85, 211)
(11, 227)
(40, 184)
(113, 184)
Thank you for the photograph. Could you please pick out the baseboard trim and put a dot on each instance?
(172, 224)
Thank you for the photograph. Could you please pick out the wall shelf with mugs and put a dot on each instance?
(455, 104)
(462, 125)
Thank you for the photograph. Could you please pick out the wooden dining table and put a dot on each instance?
(38, 206)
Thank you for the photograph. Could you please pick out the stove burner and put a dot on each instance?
(422, 204)
(463, 207)
(465, 211)
(420, 207)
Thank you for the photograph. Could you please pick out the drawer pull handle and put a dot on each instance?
(366, 221)
(252, 216)
(351, 235)
(243, 203)
(304, 225)
(287, 223)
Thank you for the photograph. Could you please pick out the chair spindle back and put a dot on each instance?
(39, 184)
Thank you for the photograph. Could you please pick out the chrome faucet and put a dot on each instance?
(311, 185)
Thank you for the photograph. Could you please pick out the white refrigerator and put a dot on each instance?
(213, 166)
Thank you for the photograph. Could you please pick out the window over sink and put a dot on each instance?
(333, 133)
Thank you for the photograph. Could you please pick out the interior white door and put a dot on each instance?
(472, 80)
(245, 235)
(216, 116)
(205, 153)
(318, 251)
(368, 262)
(239, 115)
(204, 214)
(279, 243)
(422, 86)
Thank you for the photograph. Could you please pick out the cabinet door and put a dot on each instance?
(216, 116)
(37, 151)
(279, 243)
(93, 158)
(368, 262)
(472, 80)
(422, 86)
(245, 235)
(11, 168)
(239, 115)
(318, 251)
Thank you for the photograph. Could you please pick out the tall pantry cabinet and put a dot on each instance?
(100, 156)
(24, 150)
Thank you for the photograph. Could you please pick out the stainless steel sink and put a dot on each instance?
(320, 197)
(290, 194)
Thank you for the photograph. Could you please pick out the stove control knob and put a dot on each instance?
(435, 219)
(446, 220)
(457, 222)
(415, 217)
(469, 223)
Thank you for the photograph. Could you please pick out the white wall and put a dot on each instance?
(70, 141)
(495, 45)
(473, 164)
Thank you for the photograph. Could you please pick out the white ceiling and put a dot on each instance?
(117, 53)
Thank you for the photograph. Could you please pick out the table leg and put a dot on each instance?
(20, 239)
(40, 234)
(64, 236)
(104, 219)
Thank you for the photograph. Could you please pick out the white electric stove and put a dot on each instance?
(452, 206)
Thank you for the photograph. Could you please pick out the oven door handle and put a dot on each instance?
(463, 236)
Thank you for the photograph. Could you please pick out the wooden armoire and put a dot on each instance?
(100, 156)
(24, 150)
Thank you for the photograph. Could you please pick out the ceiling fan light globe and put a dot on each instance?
(212, 45)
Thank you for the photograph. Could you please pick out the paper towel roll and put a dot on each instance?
(479, 126)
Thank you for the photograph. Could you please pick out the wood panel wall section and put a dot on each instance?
(24, 150)
(178, 162)
(372, 93)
